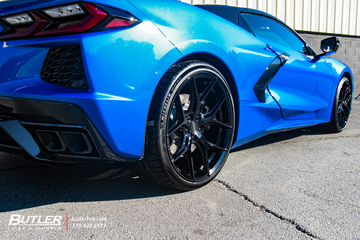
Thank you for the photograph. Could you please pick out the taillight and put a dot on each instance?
(64, 19)
(68, 19)
(28, 27)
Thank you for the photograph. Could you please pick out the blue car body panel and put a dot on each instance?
(302, 87)
(124, 66)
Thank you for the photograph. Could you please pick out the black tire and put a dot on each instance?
(341, 107)
(190, 126)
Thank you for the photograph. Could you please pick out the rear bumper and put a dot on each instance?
(50, 131)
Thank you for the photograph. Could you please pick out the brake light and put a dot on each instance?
(64, 19)
(94, 17)
(118, 22)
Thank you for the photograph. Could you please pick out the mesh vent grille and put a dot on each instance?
(64, 67)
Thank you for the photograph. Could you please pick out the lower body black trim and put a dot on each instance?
(51, 131)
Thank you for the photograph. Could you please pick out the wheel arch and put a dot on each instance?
(225, 71)
(348, 76)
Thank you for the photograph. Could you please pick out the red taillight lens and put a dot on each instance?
(119, 22)
(95, 17)
(65, 19)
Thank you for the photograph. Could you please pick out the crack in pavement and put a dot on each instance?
(265, 209)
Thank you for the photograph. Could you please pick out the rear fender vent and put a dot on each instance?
(64, 67)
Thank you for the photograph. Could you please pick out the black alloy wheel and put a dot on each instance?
(342, 106)
(190, 126)
(344, 103)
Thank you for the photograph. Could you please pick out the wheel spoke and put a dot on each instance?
(183, 149)
(340, 109)
(347, 97)
(176, 127)
(342, 118)
(204, 150)
(347, 92)
(190, 163)
(347, 100)
(342, 95)
(340, 102)
(347, 108)
(212, 145)
(205, 159)
(214, 121)
(194, 96)
(209, 116)
(217, 122)
(207, 90)
(180, 116)
(208, 144)
(180, 153)
(345, 115)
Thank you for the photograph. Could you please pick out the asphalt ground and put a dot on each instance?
(302, 184)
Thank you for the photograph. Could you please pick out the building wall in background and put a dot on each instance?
(324, 16)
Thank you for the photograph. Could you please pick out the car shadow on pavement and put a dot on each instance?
(279, 137)
(39, 185)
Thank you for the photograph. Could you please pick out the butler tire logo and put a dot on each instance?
(21, 220)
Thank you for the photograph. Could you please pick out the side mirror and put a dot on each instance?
(329, 46)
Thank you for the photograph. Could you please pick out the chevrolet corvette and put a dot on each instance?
(164, 85)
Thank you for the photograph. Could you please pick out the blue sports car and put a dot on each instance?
(169, 86)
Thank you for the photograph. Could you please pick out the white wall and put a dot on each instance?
(325, 16)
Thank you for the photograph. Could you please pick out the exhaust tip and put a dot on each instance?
(78, 143)
(51, 140)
